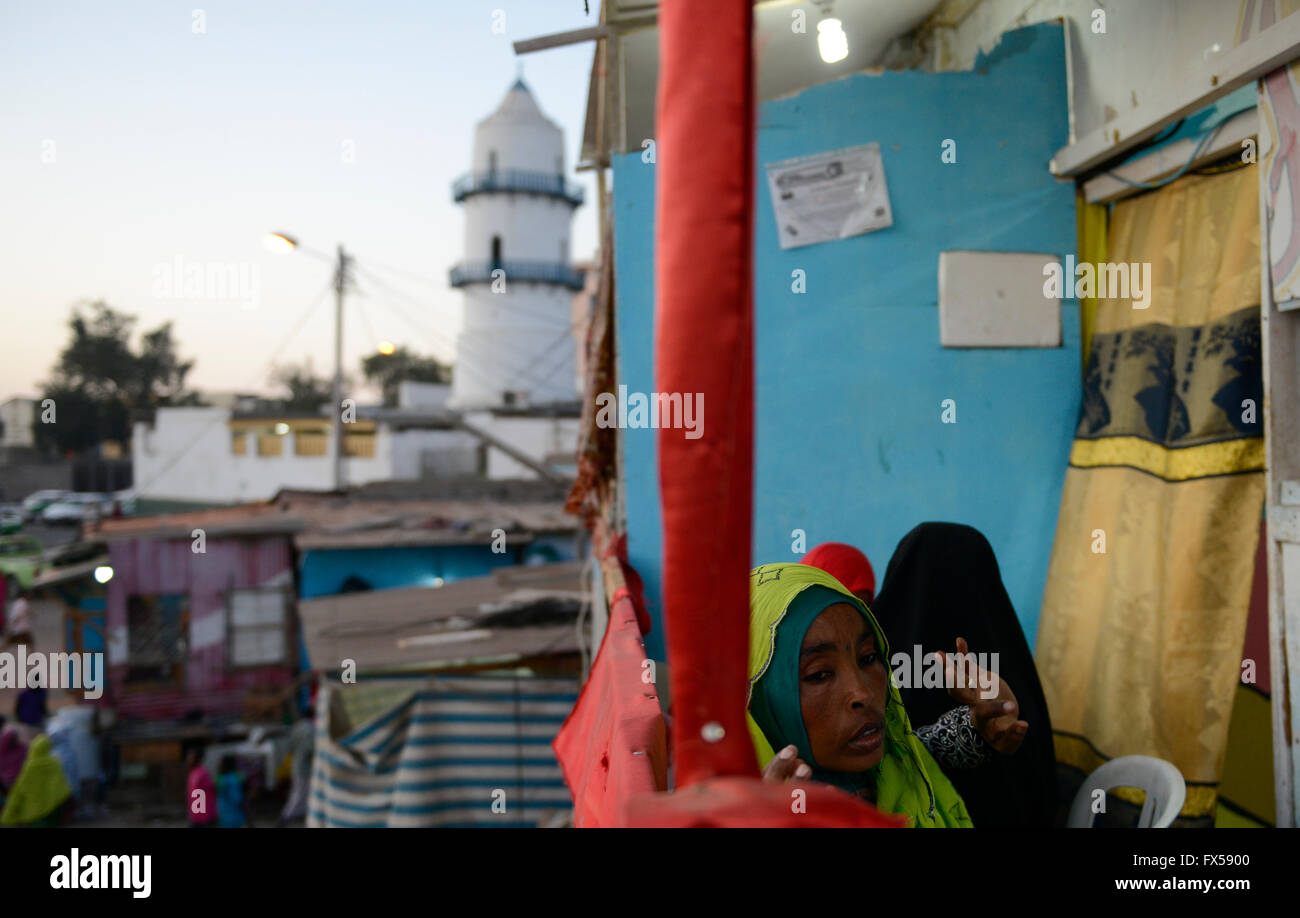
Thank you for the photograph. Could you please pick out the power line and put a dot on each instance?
(458, 347)
(545, 352)
(311, 308)
(515, 308)
(365, 319)
(428, 331)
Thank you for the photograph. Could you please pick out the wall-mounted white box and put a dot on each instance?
(996, 299)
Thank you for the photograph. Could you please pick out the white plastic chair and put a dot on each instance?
(1163, 783)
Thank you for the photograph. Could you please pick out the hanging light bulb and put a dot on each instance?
(831, 40)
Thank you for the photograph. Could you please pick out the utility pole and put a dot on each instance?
(340, 283)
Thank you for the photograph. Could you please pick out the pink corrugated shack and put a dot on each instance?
(200, 610)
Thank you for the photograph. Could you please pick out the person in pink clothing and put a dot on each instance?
(200, 791)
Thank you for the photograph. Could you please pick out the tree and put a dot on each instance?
(402, 366)
(307, 391)
(99, 381)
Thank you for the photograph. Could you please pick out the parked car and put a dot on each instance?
(78, 508)
(11, 518)
(125, 501)
(20, 559)
(35, 503)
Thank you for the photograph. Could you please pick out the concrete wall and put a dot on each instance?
(538, 437)
(186, 455)
(850, 376)
(1146, 51)
(422, 395)
(440, 453)
(22, 476)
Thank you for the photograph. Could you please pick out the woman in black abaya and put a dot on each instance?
(943, 583)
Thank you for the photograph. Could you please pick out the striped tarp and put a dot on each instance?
(442, 751)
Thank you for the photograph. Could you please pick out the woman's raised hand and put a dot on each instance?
(997, 718)
(787, 766)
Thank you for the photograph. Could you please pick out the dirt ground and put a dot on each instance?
(135, 805)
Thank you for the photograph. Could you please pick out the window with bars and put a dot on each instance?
(257, 627)
(360, 444)
(157, 626)
(310, 443)
(270, 444)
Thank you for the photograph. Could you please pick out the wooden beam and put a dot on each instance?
(1278, 340)
(588, 33)
(516, 454)
(1164, 162)
(559, 39)
(1275, 46)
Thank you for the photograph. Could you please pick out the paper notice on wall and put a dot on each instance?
(829, 195)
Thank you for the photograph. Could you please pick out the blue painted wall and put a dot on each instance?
(850, 375)
(322, 572)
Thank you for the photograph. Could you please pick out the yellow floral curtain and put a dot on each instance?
(1144, 612)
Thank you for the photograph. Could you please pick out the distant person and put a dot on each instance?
(302, 742)
(847, 565)
(41, 793)
(231, 813)
(19, 621)
(30, 709)
(61, 747)
(200, 791)
(13, 752)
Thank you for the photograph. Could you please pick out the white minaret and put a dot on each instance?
(516, 347)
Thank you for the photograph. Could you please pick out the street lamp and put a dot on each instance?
(280, 243)
(283, 244)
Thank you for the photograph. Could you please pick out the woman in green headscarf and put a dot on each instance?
(820, 692)
(40, 791)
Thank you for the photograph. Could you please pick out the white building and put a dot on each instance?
(220, 455)
(18, 416)
(515, 379)
(516, 369)
(516, 347)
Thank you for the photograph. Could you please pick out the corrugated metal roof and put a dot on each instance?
(333, 521)
(54, 575)
(256, 517)
(434, 626)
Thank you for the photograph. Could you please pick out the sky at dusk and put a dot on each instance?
(134, 146)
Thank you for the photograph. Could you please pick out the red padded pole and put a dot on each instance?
(704, 334)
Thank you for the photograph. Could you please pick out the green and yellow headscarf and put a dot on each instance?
(39, 789)
(784, 600)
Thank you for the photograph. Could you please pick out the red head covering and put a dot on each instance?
(846, 564)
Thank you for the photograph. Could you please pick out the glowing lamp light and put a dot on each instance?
(282, 428)
(386, 348)
(280, 243)
(103, 573)
(831, 40)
